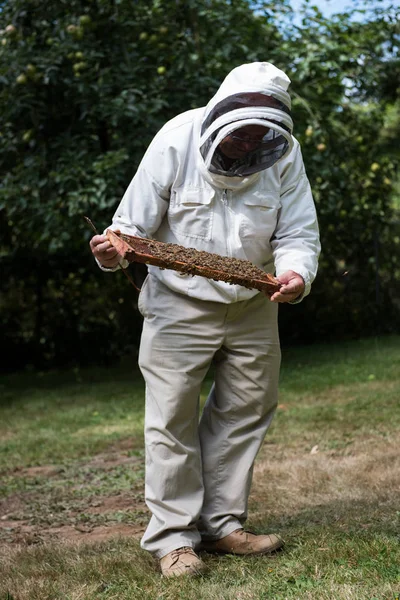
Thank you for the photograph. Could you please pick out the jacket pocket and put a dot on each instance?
(259, 215)
(190, 212)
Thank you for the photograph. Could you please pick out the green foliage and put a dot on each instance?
(84, 86)
(345, 82)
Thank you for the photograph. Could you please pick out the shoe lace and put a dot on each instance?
(245, 533)
(241, 532)
(176, 554)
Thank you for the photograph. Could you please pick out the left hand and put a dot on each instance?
(293, 286)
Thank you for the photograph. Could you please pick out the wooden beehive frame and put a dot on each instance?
(193, 262)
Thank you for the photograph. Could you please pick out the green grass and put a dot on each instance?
(327, 479)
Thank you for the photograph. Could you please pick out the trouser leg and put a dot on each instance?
(178, 342)
(238, 413)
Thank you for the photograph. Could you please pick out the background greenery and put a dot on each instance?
(84, 86)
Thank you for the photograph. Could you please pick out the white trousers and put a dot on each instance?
(198, 474)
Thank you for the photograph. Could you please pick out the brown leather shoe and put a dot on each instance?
(182, 561)
(243, 542)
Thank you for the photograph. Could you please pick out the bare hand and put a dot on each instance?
(104, 251)
(293, 286)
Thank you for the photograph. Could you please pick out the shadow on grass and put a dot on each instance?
(357, 518)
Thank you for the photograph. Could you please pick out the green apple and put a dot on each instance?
(321, 147)
(27, 135)
(31, 69)
(21, 79)
(79, 66)
(10, 30)
(375, 167)
(85, 20)
(161, 70)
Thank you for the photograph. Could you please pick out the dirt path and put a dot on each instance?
(102, 498)
(61, 503)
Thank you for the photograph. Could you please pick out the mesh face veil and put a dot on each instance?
(245, 133)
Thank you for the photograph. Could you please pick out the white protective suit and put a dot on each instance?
(267, 217)
(198, 475)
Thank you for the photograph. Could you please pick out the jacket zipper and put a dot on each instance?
(225, 202)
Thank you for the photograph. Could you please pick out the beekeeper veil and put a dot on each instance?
(251, 99)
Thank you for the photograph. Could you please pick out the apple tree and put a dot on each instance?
(85, 84)
(345, 73)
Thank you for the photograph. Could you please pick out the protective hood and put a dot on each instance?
(253, 94)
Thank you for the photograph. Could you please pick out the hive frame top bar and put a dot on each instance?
(193, 262)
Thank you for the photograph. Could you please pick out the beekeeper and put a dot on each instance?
(227, 178)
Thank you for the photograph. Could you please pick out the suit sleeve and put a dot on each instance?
(295, 243)
(146, 199)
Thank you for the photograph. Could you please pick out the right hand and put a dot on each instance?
(104, 251)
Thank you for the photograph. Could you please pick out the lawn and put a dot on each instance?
(327, 479)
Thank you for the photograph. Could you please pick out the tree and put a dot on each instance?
(84, 87)
(344, 77)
